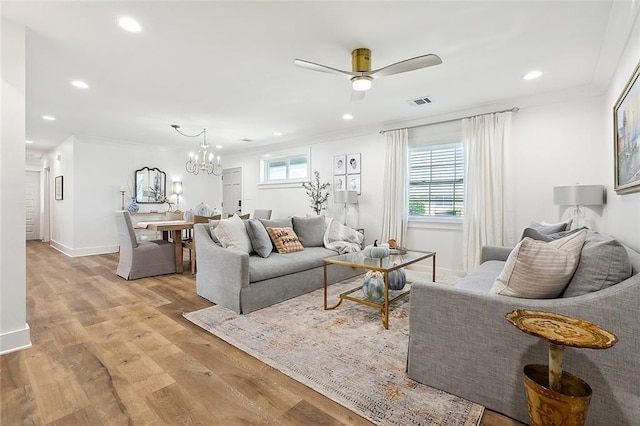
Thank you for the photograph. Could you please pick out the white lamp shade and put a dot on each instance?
(177, 187)
(348, 197)
(578, 195)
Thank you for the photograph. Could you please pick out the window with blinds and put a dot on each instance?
(286, 168)
(436, 181)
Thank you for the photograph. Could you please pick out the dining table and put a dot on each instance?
(175, 228)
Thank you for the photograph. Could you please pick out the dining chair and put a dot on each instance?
(262, 214)
(139, 259)
(189, 242)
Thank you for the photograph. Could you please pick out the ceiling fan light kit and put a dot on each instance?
(361, 75)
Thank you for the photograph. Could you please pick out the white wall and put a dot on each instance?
(95, 171)
(622, 212)
(14, 330)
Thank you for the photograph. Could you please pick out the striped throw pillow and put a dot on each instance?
(538, 269)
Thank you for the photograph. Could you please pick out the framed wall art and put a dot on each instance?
(353, 164)
(353, 183)
(626, 137)
(339, 162)
(339, 182)
(59, 188)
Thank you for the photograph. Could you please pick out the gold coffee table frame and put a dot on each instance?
(385, 266)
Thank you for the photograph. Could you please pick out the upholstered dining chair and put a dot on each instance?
(139, 259)
(262, 214)
(190, 244)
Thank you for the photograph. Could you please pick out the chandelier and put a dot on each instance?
(203, 159)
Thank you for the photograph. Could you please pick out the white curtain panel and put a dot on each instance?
(483, 139)
(395, 187)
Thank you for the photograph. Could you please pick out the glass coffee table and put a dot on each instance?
(385, 266)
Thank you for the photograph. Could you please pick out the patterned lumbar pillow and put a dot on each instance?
(538, 269)
(285, 240)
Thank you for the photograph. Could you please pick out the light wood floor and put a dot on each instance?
(109, 351)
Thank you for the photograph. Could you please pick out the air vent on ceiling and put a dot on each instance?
(247, 140)
(420, 101)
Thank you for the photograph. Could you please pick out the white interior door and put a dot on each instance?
(232, 190)
(32, 205)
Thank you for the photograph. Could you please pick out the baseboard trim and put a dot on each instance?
(15, 340)
(88, 251)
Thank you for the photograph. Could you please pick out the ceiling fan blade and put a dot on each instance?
(407, 65)
(321, 68)
(357, 95)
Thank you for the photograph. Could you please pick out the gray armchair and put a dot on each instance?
(144, 258)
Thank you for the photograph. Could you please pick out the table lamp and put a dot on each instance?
(346, 197)
(578, 196)
(177, 189)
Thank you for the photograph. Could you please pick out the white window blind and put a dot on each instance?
(286, 168)
(436, 180)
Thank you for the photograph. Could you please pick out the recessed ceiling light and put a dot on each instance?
(28, 141)
(532, 75)
(218, 146)
(80, 84)
(347, 117)
(48, 117)
(129, 24)
(277, 134)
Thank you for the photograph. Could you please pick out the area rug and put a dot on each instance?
(344, 354)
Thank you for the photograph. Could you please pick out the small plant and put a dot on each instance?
(317, 192)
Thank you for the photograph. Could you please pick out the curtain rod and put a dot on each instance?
(514, 109)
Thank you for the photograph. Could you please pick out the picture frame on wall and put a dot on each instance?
(353, 183)
(353, 164)
(59, 187)
(339, 163)
(626, 137)
(339, 182)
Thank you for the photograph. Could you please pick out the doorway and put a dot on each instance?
(32, 205)
(232, 191)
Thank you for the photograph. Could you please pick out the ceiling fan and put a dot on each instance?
(361, 74)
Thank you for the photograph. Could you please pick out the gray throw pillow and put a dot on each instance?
(604, 262)
(259, 237)
(536, 235)
(310, 230)
(547, 229)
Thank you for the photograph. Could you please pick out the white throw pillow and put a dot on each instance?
(540, 270)
(232, 233)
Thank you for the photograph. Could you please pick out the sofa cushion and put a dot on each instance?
(212, 227)
(604, 262)
(310, 230)
(232, 233)
(538, 269)
(481, 279)
(285, 240)
(278, 265)
(537, 235)
(260, 240)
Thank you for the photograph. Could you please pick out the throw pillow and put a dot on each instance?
(538, 269)
(232, 233)
(604, 262)
(550, 228)
(260, 240)
(285, 239)
(212, 226)
(277, 223)
(310, 230)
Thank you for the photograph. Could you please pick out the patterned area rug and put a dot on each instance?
(345, 354)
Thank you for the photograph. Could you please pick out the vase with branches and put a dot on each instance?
(317, 192)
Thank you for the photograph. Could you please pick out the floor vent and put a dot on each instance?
(420, 101)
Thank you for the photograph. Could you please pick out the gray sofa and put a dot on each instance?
(461, 343)
(247, 282)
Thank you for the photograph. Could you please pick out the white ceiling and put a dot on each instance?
(228, 66)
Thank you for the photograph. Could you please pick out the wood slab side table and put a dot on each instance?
(560, 331)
